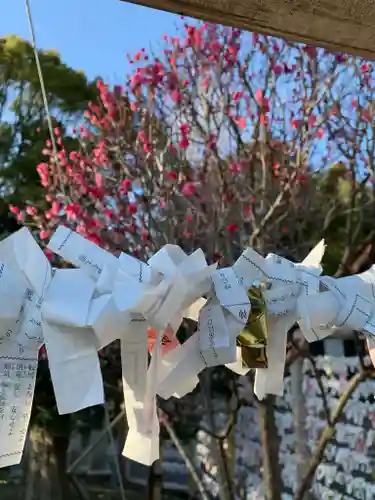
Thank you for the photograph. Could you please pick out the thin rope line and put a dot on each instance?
(42, 85)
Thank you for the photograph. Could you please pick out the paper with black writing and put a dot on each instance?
(346, 302)
(129, 297)
(287, 282)
(18, 368)
(220, 321)
(41, 305)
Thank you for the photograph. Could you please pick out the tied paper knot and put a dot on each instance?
(345, 302)
(42, 305)
(220, 321)
(286, 282)
(132, 296)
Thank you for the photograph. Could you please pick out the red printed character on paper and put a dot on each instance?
(168, 342)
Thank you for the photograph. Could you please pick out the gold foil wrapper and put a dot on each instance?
(253, 339)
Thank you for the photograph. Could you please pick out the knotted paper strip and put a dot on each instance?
(220, 321)
(345, 302)
(39, 305)
(286, 282)
(130, 297)
(223, 318)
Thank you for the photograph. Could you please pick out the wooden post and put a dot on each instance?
(339, 26)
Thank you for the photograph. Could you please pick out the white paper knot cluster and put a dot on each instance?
(130, 297)
(76, 312)
(39, 305)
(226, 314)
(286, 284)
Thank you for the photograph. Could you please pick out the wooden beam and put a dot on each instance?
(339, 25)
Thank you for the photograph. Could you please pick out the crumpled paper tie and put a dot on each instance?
(39, 305)
(343, 302)
(225, 314)
(132, 296)
(286, 283)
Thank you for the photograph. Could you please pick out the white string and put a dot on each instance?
(41, 82)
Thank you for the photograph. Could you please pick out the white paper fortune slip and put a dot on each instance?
(52, 308)
(182, 281)
(18, 368)
(286, 282)
(224, 316)
(346, 302)
(130, 297)
(220, 321)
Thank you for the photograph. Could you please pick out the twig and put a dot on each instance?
(225, 486)
(270, 449)
(319, 382)
(329, 432)
(92, 446)
(80, 490)
(188, 462)
(109, 428)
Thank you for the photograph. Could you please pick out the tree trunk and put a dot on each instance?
(270, 450)
(46, 477)
(299, 420)
(60, 449)
(155, 482)
(217, 449)
(119, 431)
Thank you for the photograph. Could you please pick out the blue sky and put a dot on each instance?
(92, 35)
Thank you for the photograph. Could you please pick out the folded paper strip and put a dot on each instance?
(286, 283)
(41, 305)
(345, 302)
(132, 296)
(220, 321)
